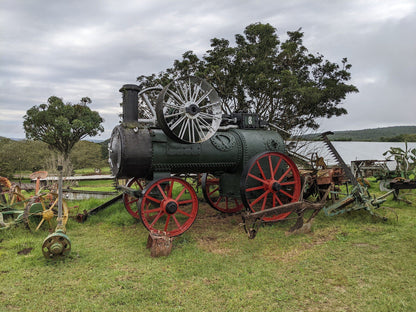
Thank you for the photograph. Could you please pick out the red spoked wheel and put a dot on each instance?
(211, 191)
(169, 206)
(270, 179)
(131, 202)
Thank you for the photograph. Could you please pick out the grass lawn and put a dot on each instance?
(350, 262)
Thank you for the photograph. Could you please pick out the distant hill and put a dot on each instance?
(386, 134)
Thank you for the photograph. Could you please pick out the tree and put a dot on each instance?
(281, 81)
(61, 125)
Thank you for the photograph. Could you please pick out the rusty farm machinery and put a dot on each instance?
(43, 208)
(241, 163)
(180, 130)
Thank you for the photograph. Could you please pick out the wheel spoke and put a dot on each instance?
(182, 131)
(259, 198)
(203, 97)
(176, 221)
(199, 129)
(197, 89)
(206, 115)
(40, 223)
(212, 192)
(132, 201)
(177, 96)
(177, 122)
(146, 99)
(256, 178)
(209, 105)
(156, 218)
(255, 188)
(277, 167)
(193, 131)
(153, 210)
(288, 183)
(275, 197)
(284, 175)
(153, 199)
(271, 167)
(167, 222)
(261, 170)
(264, 202)
(180, 194)
(162, 191)
(170, 189)
(184, 202)
(287, 194)
(183, 212)
(184, 91)
(173, 115)
(218, 201)
(172, 105)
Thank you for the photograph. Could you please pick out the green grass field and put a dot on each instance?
(350, 262)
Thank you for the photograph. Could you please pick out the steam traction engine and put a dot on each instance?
(243, 164)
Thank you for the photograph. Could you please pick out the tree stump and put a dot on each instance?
(160, 245)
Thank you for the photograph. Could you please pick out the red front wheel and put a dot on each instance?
(270, 179)
(131, 202)
(169, 206)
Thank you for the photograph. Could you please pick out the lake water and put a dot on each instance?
(350, 151)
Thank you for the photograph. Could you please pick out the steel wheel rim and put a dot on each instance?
(210, 185)
(169, 206)
(146, 102)
(131, 202)
(270, 179)
(189, 110)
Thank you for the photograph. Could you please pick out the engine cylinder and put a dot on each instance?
(141, 153)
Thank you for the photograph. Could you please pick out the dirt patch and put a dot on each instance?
(25, 251)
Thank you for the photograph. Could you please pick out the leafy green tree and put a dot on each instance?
(281, 81)
(62, 125)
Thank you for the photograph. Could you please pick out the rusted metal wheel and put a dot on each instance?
(189, 110)
(56, 245)
(11, 203)
(270, 179)
(211, 190)
(147, 102)
(130, 202)
(169, 206)
(11, 196)
(42, 210)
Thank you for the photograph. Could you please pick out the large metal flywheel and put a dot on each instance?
(189, 110)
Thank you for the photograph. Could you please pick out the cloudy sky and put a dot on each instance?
(73, 49)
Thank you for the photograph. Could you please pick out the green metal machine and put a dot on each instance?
(238, 160)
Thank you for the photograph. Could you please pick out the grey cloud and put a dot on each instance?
(90, 48)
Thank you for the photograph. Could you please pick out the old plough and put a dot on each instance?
(34, 211)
